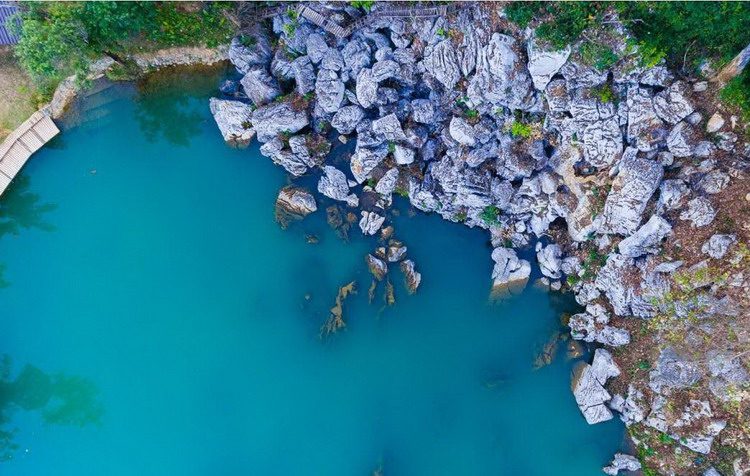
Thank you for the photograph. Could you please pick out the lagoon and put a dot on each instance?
(174, 326)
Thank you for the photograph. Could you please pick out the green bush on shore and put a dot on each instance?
(59, 39)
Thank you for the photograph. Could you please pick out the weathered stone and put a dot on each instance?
(367, 89)
(377, 267)
(356, 55)
(403, 155)
(699, 211)
(647, 239)
(602, 143)
(385, 69)
(673, 370)
(271, 120)
(346, 119)
(246, 57)
(631, 189)
(364, 160)
(671, 105)
(590, 395)
(294, 203)
(440, 61)
(549, 258)
(510, 274)
(461, 131)
(371, 222)
(233, 119)
(412, 278)
(260, 86)
(304, 75)
(501, 78)
(316, 47)
(645, 128)
(333, 184)
(422, 111)
(329, 90)
(671, 194)
(714, 182)
(389, 128)
(387, 183)
(622, 462)
(680, 140)
(718, 245)
(543, 65)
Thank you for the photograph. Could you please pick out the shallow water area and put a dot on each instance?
(171, 327)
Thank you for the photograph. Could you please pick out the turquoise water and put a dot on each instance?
(163, 323)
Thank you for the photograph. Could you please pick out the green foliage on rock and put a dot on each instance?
(598, 55)
(737, 93)
(490, 215)
(519, 129)
(58, 39)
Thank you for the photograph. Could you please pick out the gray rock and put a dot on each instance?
(462, 132)
(412, 278)
(671, 105)
(246, 57)
(346, 119)
(295, 201)
(673, 370)
(389, 128)
(329, 90)
(727, 374)
(356, 55)
(550, 260)
(699, 211)
(711, 472)
(395, 252)
(622, 462)
(718, 245)
(422, 111)
(543, 65)
(385, 69)
(602, 143)
(631, 189)
(260, 86)
(333, 184)
(714, 182)
(647, 239)
(271, 120)
(316, 47)
(645, 128)
(332, 60)
(441, 62)
(603, 367)
(233, 119)
(590, 395)
(680, 140)
(671, 194)
(367, 88)
(387, 183)
(715, 123)
(501, 78)
(364, 160)
(403, 155)
(611, 281)
(371, 222)
(377, 267)
(510, 274)
(304, 75)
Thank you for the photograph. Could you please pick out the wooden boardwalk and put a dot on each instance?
(30, 136)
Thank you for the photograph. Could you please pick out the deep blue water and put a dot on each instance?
(161, 317)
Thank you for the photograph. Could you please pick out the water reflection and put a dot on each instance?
(166, 107)
(21, 209)
(60, 399)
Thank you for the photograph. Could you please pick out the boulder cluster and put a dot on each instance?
(471, 119)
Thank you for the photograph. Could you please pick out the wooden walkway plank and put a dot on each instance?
(18, 147)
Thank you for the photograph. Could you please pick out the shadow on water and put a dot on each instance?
(59, 399)
(20, 209)
(165, 106)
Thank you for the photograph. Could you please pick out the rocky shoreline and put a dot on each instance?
(634, 178)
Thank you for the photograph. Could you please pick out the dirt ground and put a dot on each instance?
(16, 93)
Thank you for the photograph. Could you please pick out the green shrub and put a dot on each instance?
(521, 13)
(365, 5)
(490, 215)
(598, 55)
(737, 93)
(567, 21)
(519, 129)
(604, 93)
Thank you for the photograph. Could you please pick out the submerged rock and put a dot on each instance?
(294, 203)
(510, 274)
(412, 278)
(377, 267)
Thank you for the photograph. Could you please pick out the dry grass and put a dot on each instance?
(16, 91)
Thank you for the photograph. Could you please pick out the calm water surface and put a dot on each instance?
(155, 323)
